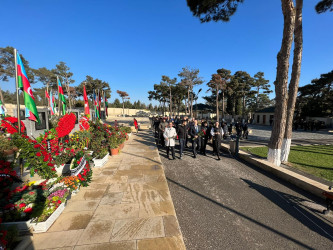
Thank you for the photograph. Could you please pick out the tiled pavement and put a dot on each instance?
(127, 206)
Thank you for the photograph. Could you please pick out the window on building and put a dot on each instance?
(258, 119)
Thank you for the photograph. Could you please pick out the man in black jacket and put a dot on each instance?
(204, 138)
(182, 134)
(194, 130)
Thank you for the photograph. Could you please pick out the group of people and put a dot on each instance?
(170, 130)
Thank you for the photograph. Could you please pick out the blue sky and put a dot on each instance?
(131, 43)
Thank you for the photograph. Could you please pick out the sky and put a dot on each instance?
(130, 44)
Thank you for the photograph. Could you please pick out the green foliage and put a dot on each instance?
(316, 99)
(324, 5)
(93, 84)
(213, 10)
(7, 65)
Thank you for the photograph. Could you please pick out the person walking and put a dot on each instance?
(194, 130)
(170, 135)
(245, 130)
(136, 125)
(217, 133)
(204, 138)
(182, 133)
(161, 129)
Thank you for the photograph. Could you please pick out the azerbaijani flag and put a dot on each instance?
(106, 105)
(2, 108)
(62, 97)
(52, 103)
(23, 83)
(96, 106)
(86, 104)
(47, 95)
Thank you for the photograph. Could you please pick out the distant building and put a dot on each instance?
(264, 116)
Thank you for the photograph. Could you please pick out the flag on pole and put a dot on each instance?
(86, 104)
(23, 83)
(99, 103)
(2, 108)
(96, 106)
(52, 103)
(62, 97)
(106, 105)
(47, 95)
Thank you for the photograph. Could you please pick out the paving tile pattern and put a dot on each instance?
(127, 206)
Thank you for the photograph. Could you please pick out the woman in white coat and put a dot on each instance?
(170, 136)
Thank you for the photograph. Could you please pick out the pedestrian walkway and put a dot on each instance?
(127, 206)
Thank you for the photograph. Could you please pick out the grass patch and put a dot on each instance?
(315, 160)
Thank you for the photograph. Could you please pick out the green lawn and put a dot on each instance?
(315, 160)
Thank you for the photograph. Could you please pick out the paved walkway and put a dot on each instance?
(229, 204)
(127, 206)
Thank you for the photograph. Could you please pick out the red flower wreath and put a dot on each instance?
(66, 124)
(11, 125)
(84, 123)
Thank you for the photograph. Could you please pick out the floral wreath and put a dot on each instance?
(11, 125)
(84, 123)
(66, 125)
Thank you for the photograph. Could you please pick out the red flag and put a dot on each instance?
(47, 95)
(86, 104)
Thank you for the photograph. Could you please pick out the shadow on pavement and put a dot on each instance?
(242, 215)
(294, 207)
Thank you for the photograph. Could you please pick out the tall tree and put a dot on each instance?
(65, 76)
(294, 81)
(215, 84)
(160, 94)
(93, 84)
(169, 82)
(244, 82)
(190, 79)
(216, 10)
(260, 83)
(123, 96)
(225, 76)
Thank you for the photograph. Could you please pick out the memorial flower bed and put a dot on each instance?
(39, 203)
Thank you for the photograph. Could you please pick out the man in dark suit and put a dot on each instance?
(217, 134)
(204, 138)
(182, 134)
(194, 130)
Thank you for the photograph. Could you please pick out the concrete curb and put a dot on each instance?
(298, 180)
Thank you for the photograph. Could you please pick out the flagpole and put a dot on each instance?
(18, 108)
(17, 93)
(58, 94)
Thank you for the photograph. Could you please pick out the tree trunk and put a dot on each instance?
(170, 102)
(1, 98)
(123, 108)
(188, 99)
(222, 104)
(243, 111)
(281, 84)
(217, 105)
(294, 81)
(257, 98)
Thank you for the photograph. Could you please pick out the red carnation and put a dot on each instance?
(22, 205)
(59, 201)
(36, 146)
(28, 210)
(38, 154)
